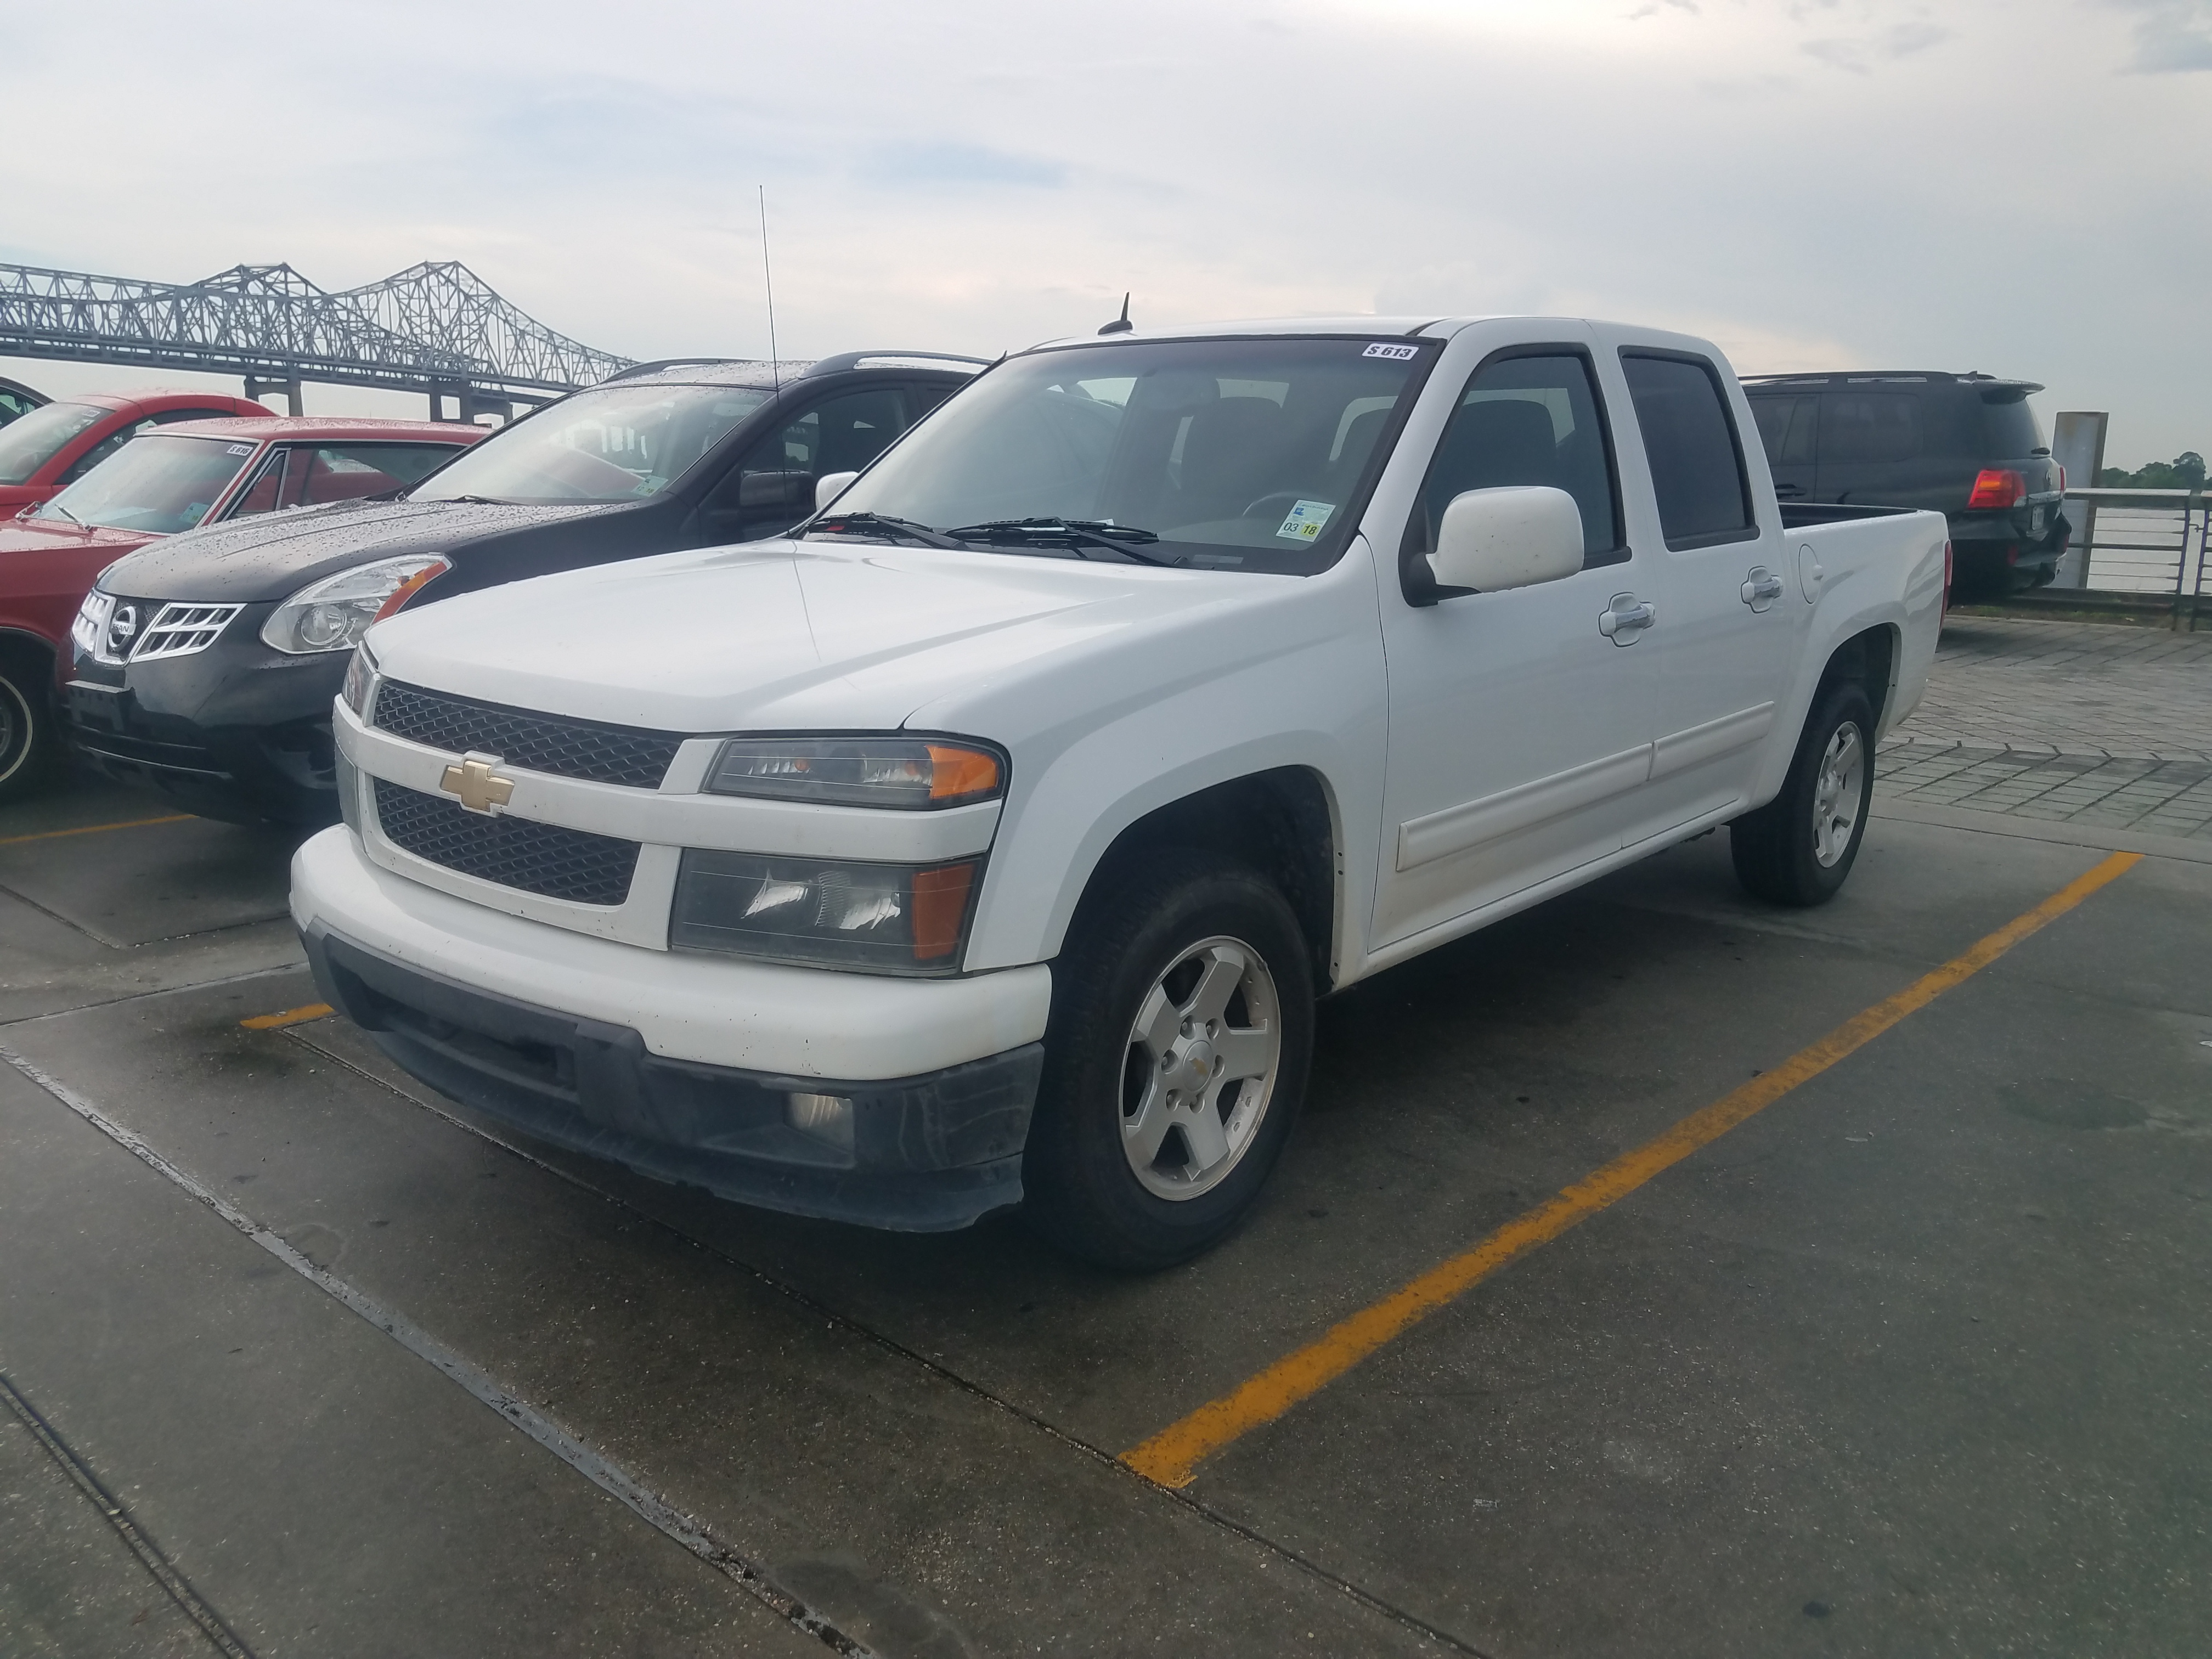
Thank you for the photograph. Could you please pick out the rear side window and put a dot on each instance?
(1529, 418)
(1690, 441)
(1866, 428)
(2008, 430)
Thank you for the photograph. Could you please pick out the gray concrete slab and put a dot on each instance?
(911, 1509)
(70, 1588)
(163, 880)
(326, 1492)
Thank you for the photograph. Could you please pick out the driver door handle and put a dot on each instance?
(1761, 587)
(1626, 617)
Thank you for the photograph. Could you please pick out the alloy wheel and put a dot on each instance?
(1203, 1054)
(1838, 794)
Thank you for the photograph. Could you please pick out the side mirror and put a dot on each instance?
(1513, 536)
(829, 486)
(772, 489)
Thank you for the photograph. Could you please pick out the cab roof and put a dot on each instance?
(273, 428)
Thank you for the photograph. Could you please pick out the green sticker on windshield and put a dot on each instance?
(1305, 520)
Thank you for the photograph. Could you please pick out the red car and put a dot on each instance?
(163, 482)
(50, 447)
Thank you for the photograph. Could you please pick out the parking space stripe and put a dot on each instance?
(299, 1016)
(602, 1471)
(92, 828)
(1171, 1457)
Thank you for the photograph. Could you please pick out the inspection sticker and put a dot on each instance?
(1305, 520)
(1395, 353)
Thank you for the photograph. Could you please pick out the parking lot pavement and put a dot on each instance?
(1911, 1361)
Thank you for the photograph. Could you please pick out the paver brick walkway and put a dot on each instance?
(2094, 723)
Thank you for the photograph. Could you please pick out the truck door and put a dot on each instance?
(1729, 617)
(1520, 733)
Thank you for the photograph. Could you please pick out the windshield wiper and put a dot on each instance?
(480, 500)
(830, 524)
(70, 516)
(1077, 533)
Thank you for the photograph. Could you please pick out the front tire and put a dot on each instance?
(1176, 1061)
(29, 747)
(1798, 848)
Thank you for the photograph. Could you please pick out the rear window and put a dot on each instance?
(1697, 470)
(1786, 429)
(2008, 430)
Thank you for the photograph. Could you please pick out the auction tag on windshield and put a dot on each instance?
(1305, 520)
(1395, 353)
(238, 449)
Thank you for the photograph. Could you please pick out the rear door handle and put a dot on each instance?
(1761, 587)
(1626, 617)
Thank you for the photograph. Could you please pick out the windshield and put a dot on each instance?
(1242, 454)
(159, 484)
(28, 442)
(610, 444)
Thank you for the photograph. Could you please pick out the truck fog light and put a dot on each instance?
(826, 1117)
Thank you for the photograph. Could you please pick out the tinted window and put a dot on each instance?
(1697, 473)
(100, 451)
(1863, 428)
(2008, 430)
(1527, 420)
(1786, 429)
(29, 443)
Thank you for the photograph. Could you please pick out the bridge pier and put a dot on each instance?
(294, 390)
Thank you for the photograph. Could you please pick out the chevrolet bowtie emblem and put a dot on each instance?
(481, 789)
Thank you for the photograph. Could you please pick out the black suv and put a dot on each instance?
(665, 456)
(1964, 445)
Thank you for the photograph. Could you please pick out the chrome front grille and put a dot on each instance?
(180, 629)
(520, 853)
(115, 631)
(538, 743)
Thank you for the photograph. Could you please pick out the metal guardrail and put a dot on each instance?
(2145, 545)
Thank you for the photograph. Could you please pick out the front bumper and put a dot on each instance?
(236, 732)
(682, 1068)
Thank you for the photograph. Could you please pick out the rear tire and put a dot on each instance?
(1176, 1061)
(30, 749)
(1798, 848)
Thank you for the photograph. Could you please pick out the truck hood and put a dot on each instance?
(787, 635)
(274, 555)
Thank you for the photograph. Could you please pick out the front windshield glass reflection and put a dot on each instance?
(1238, 454)
(609, 443)
(159, 484)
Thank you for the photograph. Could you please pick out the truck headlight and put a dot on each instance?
(360, 681)
(876, 918)
(332, 614)
(914, 773)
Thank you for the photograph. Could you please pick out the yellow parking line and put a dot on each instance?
(1171, 1456)
(289, 1016)
(92, 828)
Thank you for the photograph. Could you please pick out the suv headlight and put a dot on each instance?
(876, 918)
(332, 614)
(912, 774)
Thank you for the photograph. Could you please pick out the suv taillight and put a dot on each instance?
(1998, 486)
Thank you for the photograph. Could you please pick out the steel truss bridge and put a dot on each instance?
(436, 329)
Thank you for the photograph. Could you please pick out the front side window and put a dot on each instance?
(772, 486)
(1527, 418)
(612, 443)
(1690, 443)
(30, 441)
(1786, 426)
(1249, 454)
(158, 483)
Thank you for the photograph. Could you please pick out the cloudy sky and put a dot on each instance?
(2016, 187)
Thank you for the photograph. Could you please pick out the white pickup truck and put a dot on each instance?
(988, 841)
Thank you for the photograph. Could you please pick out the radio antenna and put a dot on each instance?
(767, 282)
